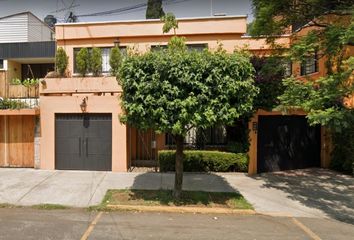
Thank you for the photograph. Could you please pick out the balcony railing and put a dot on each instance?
(79, 85)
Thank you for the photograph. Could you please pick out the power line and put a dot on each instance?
(140, 6)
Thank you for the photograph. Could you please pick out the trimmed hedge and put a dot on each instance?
(205, 161)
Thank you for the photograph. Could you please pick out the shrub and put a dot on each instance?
(30, 82)
(16, 81)
(342, 158)
(61, 61)
(12, 104)
(204, 161)
(115, 60)
(96, 62)
(83, 61)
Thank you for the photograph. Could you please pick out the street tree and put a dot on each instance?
(173, 90)
(154, 9)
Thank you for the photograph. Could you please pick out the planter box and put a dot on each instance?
(23, 112)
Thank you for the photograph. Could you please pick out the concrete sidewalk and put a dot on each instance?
(302, 193)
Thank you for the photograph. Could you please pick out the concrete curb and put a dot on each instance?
(181, 209)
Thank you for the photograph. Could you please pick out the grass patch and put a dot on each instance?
(50, 207)
(164, 198)
(7, 205)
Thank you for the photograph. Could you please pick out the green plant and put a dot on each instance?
(96, 61)
(170, 22)
(12, 104)
(269, 73)
(154, 9)
(115, 60)
(50, 207)
(61, 61)
(343, 150)
(16, 81)
(204, 161)
(173, 90)
(30, 82)
(83, 61)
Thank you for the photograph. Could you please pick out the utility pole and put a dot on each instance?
(211, 8)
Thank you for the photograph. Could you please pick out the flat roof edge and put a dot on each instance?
(153, 20)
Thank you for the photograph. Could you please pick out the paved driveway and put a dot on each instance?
(302, 193)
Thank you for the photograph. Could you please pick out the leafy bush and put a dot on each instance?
(16, 81)
(96, 62)
(83, 61)
(343, 151)
(269, 73)
(12, 104)
(61, 61)
(30, 82)
(204, 161)
(115, 60)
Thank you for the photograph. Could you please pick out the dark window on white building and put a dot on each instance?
(1, 63)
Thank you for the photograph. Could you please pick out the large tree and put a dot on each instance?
(154, 9)
(324, 28)
(173, 90)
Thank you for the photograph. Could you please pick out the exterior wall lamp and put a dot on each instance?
(83, 104)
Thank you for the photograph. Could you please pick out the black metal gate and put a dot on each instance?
(83, 142)
(286, 143)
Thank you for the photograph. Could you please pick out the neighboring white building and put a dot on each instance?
(24, 27)
(27, 50)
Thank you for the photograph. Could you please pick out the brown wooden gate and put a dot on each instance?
(17, 141)
(142, 149)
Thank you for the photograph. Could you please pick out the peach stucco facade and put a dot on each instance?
(141, 35)
(66, 94)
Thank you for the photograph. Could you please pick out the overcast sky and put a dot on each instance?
(181, 8)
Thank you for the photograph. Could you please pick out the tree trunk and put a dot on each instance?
(179, 167)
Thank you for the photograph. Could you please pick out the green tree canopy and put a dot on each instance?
(115, 60)
(61, 61)
(154, 9)
(170, 22)
(173, 90)
(83, 61)
(96, 61)
(273, 17)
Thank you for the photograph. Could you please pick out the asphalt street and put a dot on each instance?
(27, 223)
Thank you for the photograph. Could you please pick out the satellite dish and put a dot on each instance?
(50, 20)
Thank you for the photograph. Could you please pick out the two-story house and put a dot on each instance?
(27, 51)
(80, 124)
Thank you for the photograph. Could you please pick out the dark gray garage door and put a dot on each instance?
(83, 142)
(287, 142)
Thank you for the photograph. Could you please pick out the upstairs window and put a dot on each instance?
(106, 52)
(1, 63)
(287, 64)
(309, 65)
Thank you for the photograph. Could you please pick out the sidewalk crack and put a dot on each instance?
(98, 185)
(32, 188)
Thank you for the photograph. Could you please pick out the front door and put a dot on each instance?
(83, 142)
